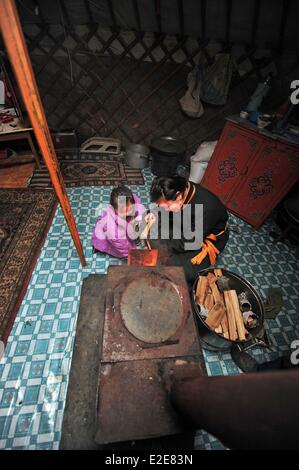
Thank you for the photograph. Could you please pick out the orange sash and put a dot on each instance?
(208, 248)
(186, 194)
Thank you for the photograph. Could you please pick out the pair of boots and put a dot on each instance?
(248, 364)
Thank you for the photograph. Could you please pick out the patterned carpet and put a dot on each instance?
(25, 216)
(35, 369)
(89, 170)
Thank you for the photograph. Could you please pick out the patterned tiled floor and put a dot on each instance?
(35, 368)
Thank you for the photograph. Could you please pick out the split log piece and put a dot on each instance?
(211, 278)
(201, 289)
(232, 327)
(217, 272)
(219, 330)
(218, 297)
(224, 325)
(209, 301)
(238, 315)
(215, 315)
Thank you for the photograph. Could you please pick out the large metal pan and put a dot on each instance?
(214, 341)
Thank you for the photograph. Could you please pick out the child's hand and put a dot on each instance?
(150, 218)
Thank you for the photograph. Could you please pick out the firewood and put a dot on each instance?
(217, 272)
(219, 330)
(201, 289)
(224, 325)
(211, 278)
(238, 315)
(235, 309)
(209, 301)
(218, 297)
(232, 327)
(215, 315)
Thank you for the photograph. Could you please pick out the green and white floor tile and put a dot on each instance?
(35, 368)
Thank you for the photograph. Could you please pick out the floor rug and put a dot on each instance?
(25, 217)
(89, 170)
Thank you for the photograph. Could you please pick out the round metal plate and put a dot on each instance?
(169, 145)
(151, 309)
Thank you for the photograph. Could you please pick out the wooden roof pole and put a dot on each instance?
(19, 57)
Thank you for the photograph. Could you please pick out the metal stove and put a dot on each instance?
(148, 326)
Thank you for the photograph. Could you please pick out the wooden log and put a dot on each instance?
(211, 278)
(219, 330)
(238, 315)
(209, 301)
(235, 309)
(232, 327)
(217, 272)
(215, 315)
(224, 325)
(201, 289)
(218, 297)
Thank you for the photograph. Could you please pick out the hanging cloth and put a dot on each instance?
(190, 102)
(217, 79)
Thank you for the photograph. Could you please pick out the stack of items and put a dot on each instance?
(221, 308)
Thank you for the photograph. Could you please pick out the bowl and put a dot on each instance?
(264, 120)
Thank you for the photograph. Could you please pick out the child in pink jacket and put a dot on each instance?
(111, 232)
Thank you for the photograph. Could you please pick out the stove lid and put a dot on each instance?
(151, 308)
(169, 145)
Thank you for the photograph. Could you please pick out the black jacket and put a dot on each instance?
(214, 216)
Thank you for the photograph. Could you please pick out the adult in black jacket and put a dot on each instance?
(176, 194)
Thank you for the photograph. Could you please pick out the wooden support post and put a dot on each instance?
(17, 50)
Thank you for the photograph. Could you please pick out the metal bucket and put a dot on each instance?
(137, 156)
(214, 341)
(167, 154)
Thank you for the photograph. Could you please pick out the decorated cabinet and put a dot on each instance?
(251, 171)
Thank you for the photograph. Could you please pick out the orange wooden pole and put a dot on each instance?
(19, 57)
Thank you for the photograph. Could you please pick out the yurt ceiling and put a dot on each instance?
(119, 68)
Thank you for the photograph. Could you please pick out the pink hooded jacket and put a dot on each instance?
(110, 232)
